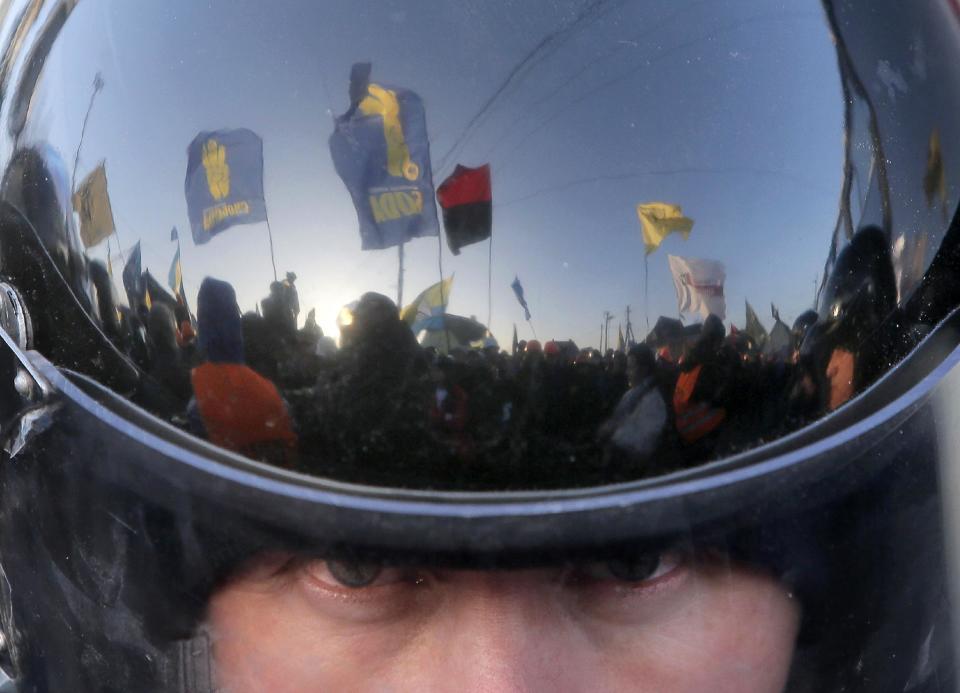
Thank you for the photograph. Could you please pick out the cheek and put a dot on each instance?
(734, 632)
(750, 632)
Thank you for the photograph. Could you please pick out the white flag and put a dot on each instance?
(699, 285)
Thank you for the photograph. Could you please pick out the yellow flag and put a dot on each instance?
(431, 302)
(658, 220)
(92, 203)
(935, 178)
(147, 300)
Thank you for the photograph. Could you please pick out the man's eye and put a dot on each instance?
(634, 569)
(354, 574)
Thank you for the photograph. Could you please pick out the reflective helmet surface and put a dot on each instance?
(391, 292)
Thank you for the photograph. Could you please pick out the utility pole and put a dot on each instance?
(628, 337)
(607, 317)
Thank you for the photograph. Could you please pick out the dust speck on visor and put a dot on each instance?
(553, 245)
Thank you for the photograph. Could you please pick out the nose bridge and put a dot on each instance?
(504, 636)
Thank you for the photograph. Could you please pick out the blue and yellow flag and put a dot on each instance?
(381, 152)
(132, 277)
(224, 184)
(175, 275)
(518, 291)
(427, 310)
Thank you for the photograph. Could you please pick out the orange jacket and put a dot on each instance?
(241, 410)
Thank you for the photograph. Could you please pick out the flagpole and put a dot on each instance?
(119, 246)
(646, 291)
(266, 218)
(180, 260)
(181, 288)
(97, 86)
(607, 317)
(489, 284)
(400, 276)
(443, 302)
(273, 260)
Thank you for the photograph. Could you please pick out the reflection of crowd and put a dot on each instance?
(381, 408)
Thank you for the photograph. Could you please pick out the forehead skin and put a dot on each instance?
(704, 627)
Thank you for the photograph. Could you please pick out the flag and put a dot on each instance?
(92, 202)
(518, 290)
(427, 309)
(467, 205)
(381, 152)
(621, 344)
(658, 220)
(175, 275)
(754, 328)
(174, 236)
(132, 277)
(935, 179)
(516, 343)
(699, 285)
(153, 292)
(780, 343)
(224, 183)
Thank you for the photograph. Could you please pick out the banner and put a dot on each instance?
(699, 285)
(92, 203)
(518, 291)
(381, 152)
(224, 184)
(467, 205)
(427, 310)
(658, 220)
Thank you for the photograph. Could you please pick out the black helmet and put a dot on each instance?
(199, 491)
(802, 324)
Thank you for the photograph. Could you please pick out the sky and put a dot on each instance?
(730, 108)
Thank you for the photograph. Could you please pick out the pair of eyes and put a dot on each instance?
(637, 569)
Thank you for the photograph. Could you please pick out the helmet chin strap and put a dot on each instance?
(192, 664)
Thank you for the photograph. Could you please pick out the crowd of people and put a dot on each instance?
(381, 407)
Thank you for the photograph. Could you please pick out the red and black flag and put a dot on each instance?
(467, 206)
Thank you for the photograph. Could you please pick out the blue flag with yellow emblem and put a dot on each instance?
(224, 184)
(381, 152)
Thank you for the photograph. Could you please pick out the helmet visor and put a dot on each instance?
(529, 247)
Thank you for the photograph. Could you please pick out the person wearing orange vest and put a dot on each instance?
(239, 409)
(698, 398)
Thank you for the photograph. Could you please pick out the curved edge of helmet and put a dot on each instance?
(501, 522)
